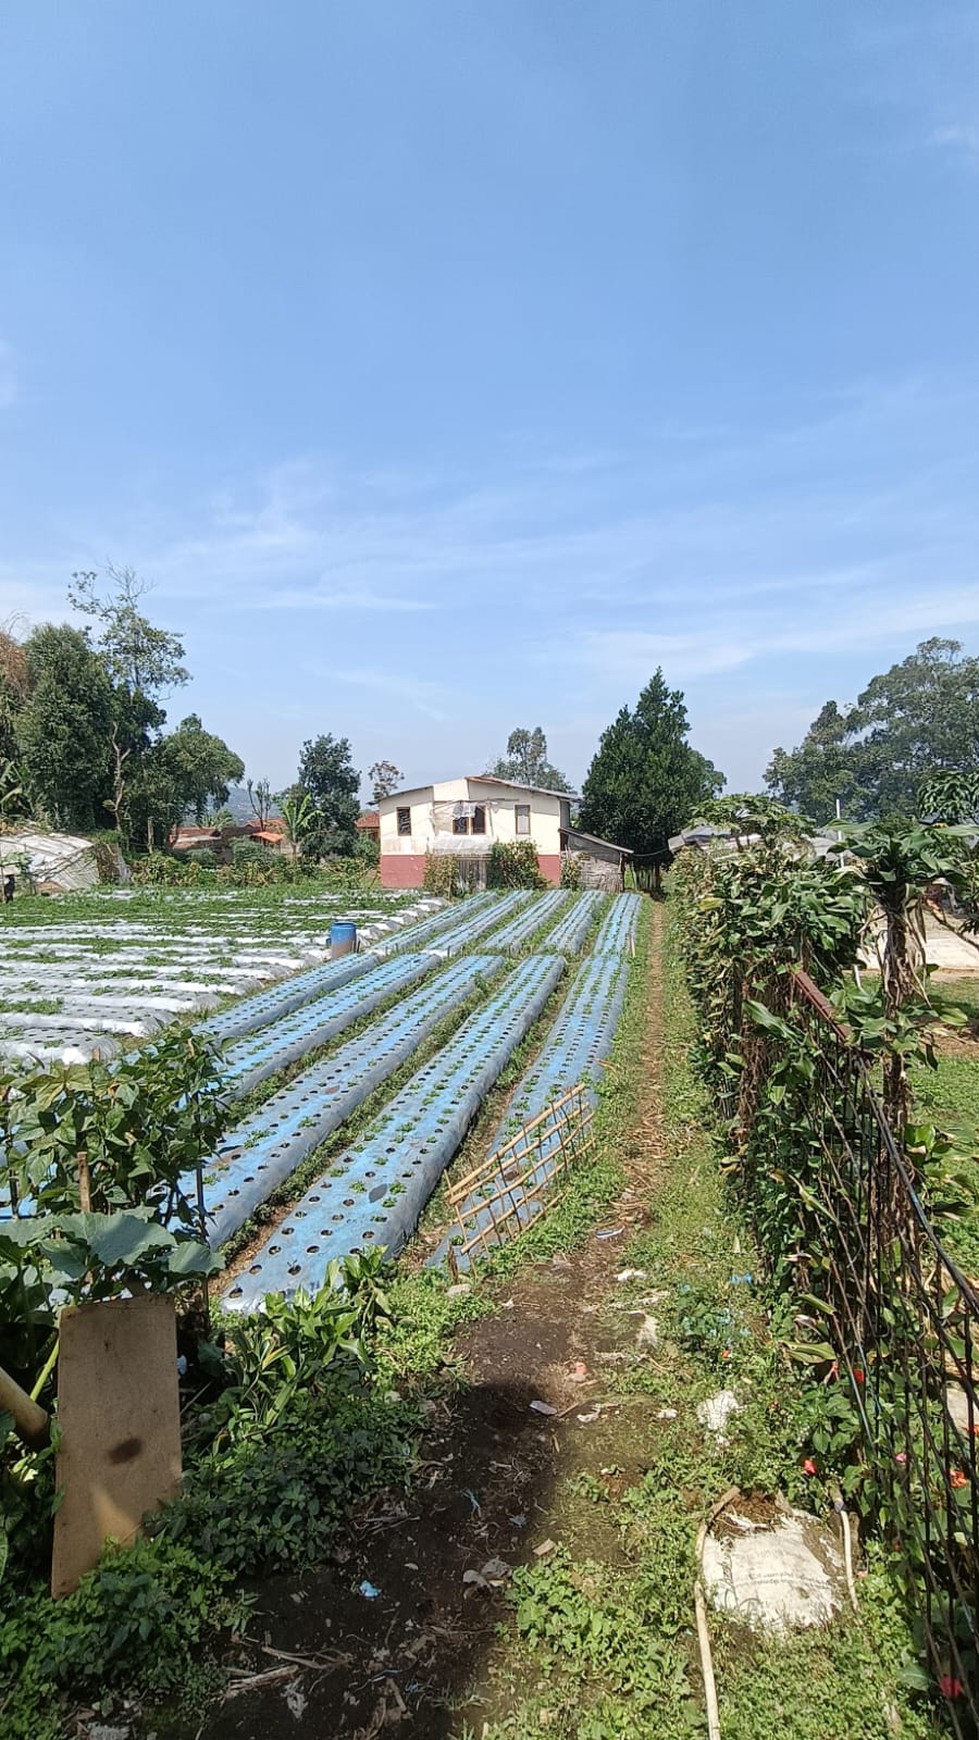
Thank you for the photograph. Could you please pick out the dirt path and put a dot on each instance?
(530, 1417)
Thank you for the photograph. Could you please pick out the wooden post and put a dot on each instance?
(30, 1421)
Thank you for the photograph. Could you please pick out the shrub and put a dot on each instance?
(513, 864)
(571, 871)
(440, 874)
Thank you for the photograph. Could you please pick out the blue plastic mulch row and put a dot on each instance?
(254, 1058)
(251, 1013)
(579, 1040)
(568, 935)
(375, 1192)
(540, 913)
(476, 915)
(617, 930)
(261, 1152)
(432, 931)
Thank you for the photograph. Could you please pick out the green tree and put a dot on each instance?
(137, 656)
(526, 761)
(821, 772)
(64, 729)
(183, 774)
(302, 820)
(327, 775)
(143, 663)
(645, 781)
(913, 721)
(385, 779)
(950, 796)
(13, 693)
(260, 800)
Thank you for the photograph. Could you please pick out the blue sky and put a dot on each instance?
(447, 366)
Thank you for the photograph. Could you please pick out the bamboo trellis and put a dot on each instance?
(504, 1192)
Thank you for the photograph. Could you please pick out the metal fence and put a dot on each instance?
(904, 1322)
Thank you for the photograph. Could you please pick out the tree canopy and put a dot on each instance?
(385, 779)
(328, 776)
(81, 720)
(645, 780)
(916, 720)
(63, 728)
(526, 761)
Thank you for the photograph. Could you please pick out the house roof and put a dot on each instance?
(593, 840)
(272, 836)
(517, 785)
(368, 821)
(485, 779)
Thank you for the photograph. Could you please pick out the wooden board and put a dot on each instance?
(119, 1419)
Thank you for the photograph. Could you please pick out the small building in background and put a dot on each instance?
(463, 818)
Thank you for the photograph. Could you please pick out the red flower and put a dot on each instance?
(957, 1478)
(901, 1456)
(949, 1687)
(858, 1377)
(809, 1466)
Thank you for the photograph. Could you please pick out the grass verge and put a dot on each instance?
(602, 1644)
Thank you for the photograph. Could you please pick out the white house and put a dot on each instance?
(466, 816)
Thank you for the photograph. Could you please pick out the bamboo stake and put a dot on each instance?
(30, 1421)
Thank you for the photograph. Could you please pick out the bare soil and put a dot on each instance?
(491, 1485)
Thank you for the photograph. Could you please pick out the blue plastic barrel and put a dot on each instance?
(343, 940)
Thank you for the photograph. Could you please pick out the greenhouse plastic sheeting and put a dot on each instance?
(261, 1152)
(375, 1192)
(253, 1059)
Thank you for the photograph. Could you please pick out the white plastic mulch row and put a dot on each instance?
(73, 991)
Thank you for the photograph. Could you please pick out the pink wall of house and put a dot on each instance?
(402, 869)
(407, 869)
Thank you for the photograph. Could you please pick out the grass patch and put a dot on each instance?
(598, 1649)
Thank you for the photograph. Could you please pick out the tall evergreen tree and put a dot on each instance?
(645, 781)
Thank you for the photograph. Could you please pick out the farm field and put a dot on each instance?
(96, 972)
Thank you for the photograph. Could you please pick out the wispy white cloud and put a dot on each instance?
(301, 598)
(427, 698)
(963, 140)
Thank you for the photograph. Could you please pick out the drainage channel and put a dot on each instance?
(262, 1152)
(253, 1059)
(375, 1192)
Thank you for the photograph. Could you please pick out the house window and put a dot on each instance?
(460, 824)
(522, 818)
(479, 820)
(404, 821)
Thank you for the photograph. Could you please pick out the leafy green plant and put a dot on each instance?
(440, 874)
(100, 1162)
(513, 864)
